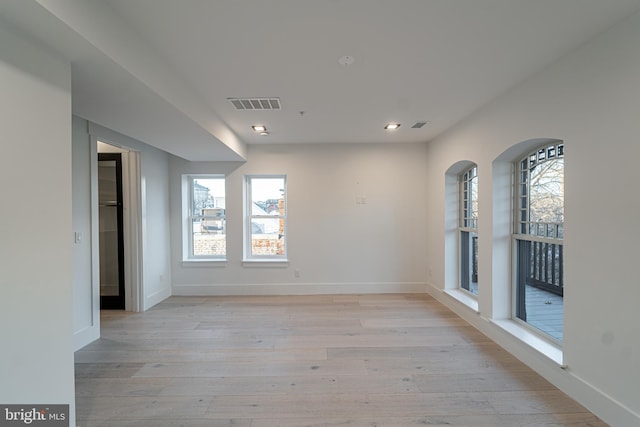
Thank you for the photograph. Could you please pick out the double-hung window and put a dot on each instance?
(265, 217)
(468, 230)
(205, 222)
(538, 237)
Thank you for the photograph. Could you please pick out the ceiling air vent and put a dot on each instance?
(418, 125)
(256, 103)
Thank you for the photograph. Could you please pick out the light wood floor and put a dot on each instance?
(362, 360)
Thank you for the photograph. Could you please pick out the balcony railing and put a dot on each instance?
(541, 265)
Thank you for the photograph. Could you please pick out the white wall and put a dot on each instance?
(591, 101)
(338, 246)
(36, 360)
(86, 301)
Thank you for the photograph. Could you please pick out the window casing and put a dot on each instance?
(538, 238)
(265, 218)
(468, 230)
(205, 219)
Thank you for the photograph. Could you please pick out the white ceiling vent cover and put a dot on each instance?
(255, 103)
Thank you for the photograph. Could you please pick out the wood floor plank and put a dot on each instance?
(532, 402)
(253, 369)
(449, 421)
(350, 405)
(140, 407)
(197, 355)
(416, 322)
(450, 355)
(543, 420)
(379, 341)
(286, 385)
(500, 380)
(397, 360)
(421, 366)
(120, 387)
(168, 422)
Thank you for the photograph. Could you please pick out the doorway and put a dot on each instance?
(111, 235)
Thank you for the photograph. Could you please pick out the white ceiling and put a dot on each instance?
(162, 70)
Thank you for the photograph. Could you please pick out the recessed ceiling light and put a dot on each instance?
(346, 60)
(259, 128)
(265, 133)
(392, 126)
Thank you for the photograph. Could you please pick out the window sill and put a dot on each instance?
(271, 263)
(463, 297)
(204, 263)
(546, 347)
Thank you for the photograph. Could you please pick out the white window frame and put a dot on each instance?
(466, 222)
(189, 215)
(249, 257)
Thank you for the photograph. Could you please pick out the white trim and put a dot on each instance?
(533, 340)
(133, 238)
(85, 336)
(468, 230)
(265, 262)
(216, 263)
(464, 297)
(157, 297)
(228, 289)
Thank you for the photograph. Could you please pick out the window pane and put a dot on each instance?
(474, 198)
(539, 288)
(208, 217)
(546, 192)
(266, 227)
(267, 236)
(469, 261)
(266, 193)
(208, 241)
(207, 193)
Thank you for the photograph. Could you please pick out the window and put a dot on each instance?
(265, 217)
(206, 218)
(538, 235)
(468, 230)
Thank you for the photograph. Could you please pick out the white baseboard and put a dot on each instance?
(85, 336)
(156, 297)
(297, 289)
(602, 405)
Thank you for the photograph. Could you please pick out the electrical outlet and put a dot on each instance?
(296, 273)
